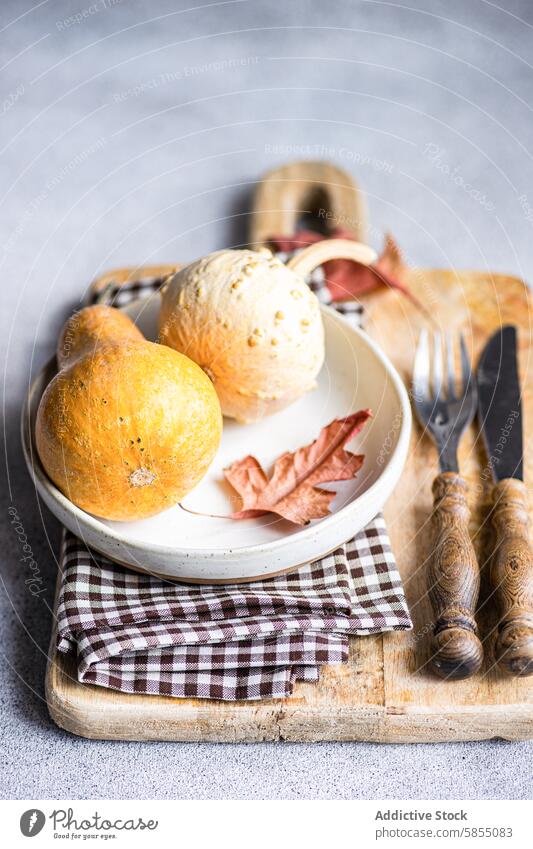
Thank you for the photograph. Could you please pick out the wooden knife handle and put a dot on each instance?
(511, 577)
(453, 577)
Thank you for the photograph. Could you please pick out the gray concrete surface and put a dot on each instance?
(134, 132)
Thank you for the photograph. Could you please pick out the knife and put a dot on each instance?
(511, 572)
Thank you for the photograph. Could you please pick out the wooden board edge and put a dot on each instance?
(195, 720)
(288, 720)
(512, 723)
(126, 274)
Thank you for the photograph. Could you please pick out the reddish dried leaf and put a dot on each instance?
(391, 262)
(292, 490)
(301, 239)
(348, 279)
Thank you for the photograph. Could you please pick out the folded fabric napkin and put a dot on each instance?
(138, 634)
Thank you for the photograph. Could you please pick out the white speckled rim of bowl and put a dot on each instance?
(249, 562)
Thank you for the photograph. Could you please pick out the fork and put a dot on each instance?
(445, 410)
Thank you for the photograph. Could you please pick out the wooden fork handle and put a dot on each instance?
(453, 582)
(511, 578)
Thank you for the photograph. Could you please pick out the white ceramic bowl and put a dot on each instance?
(185, 546)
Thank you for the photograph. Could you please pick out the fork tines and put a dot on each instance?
(427, 385)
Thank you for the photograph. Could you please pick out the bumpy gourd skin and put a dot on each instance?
(251, 323)
(127, 427)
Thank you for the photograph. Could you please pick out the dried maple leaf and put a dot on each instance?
(292, 491)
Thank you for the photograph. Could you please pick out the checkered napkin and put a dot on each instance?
(139, 634)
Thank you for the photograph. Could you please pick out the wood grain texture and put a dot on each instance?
(385, 693)
(489, 703)
(122, 276)
(453, 582)
(512, 578)
(285, 196)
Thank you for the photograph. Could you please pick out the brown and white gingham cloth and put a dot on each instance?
(139, 634)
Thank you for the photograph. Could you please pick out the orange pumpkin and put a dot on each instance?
(127, 427)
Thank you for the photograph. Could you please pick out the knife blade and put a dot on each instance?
(500, 405)
(511, 571)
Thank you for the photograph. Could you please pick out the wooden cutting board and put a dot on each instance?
(384, 693)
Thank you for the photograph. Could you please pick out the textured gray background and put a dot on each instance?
(428, 103)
